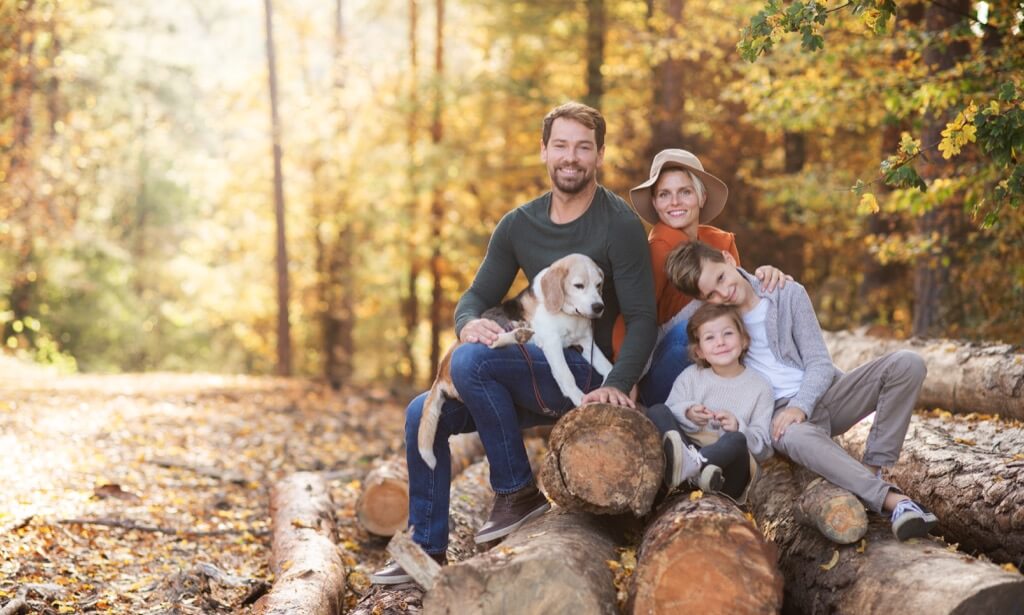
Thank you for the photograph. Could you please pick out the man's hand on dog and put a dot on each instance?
(607, 395)
(482, 330)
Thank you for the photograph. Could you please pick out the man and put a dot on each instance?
(504, 391)
(814, 400)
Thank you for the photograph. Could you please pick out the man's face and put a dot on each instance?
(571, 156)
(722, 284)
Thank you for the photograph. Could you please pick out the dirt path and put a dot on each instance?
(148, 494)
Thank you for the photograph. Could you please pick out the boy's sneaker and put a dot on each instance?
(711, 479)
(512, 510)
(911, 520)
(393, 574)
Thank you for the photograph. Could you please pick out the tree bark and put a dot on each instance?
(555, 564)
(437, 320)
(410, 302)
(669, 91)
(704, 556)
(383, 506)
(976, 492)
(945, 221)
(596, 31)
(917, 576)
(309, 575)
(604, 459)
(284, 347)
(962, 377)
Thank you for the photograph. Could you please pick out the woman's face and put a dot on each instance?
(676, 200)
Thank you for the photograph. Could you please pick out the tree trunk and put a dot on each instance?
(309, 574)
(976, 492)
(437, 320)
(410, 302)
(917, 576)
(962, 377)
(284, 344)
(383, 506)
(596, 30)
(932, 273)
(704, 556)
(604, 459)
(555, 564)
(669, 91)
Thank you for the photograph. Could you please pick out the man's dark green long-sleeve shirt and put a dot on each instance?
(608, 232)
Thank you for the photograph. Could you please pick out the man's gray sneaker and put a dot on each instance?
(393, 574)
(512, 510)
(911, 520)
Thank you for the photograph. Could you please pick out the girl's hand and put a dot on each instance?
(727, 420)
(699, 415)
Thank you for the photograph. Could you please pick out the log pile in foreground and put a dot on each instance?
(832, 510)
(962, 377)
(604, 459)
(383, 506)
(309, 574)
(702, 555)
(555, 564)
(976, 492)
(917, 576)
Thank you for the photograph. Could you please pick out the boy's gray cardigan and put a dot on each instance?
(794, 337)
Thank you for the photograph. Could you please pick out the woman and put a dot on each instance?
(679, 199)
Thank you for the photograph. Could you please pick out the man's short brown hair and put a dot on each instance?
(705, 314)
(685, 263)
(577, 112)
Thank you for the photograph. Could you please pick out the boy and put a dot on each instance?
(813, 399)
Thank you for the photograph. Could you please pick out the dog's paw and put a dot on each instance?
(523, 335)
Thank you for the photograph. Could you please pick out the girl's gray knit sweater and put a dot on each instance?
(748, 396)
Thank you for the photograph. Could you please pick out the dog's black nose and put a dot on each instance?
(597, 308)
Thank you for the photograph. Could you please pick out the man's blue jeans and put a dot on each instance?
(669, 360)
(500, 390)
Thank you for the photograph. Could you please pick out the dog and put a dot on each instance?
(555, 312)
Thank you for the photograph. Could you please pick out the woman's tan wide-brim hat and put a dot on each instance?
(717, 191)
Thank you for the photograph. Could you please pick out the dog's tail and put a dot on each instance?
(428, 423)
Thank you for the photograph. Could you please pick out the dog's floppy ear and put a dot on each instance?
(551, 285)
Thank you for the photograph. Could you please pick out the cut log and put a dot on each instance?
(976, 492)
(917, 576)
(471, 498)
(309, 574)
(604, 459)
(962, 377)
(703, 556)
(555, 564)
(832, 510)
(383, 506)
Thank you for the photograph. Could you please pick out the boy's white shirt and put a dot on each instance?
(785, 379)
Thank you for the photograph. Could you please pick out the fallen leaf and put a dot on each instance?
(832, 562)
(863, 546)
(696, 495)
(1009, 567)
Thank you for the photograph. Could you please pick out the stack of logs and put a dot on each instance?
(701, 552)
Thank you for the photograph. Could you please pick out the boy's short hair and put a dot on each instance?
(684, 265)
(705, 314)
(577, 112)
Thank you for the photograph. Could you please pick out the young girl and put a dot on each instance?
(719, 413)
(679, 200)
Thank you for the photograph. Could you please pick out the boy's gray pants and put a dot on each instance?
(889, 386)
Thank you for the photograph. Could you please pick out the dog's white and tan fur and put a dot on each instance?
(557, 311)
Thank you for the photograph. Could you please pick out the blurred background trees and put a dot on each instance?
(871, 149)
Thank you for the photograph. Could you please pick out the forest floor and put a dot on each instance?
(149, 494)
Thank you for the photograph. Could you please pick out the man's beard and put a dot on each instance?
(571, 186)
